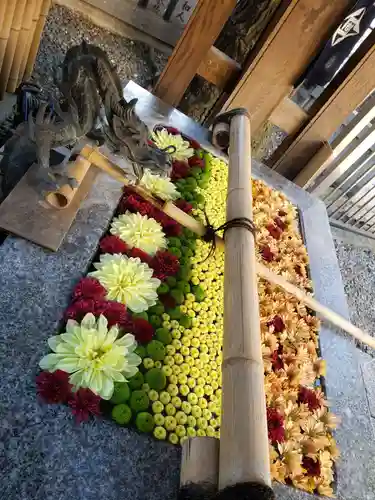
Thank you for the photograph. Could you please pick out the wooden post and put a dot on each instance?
(199, 468)
(35, 18)
(244, 453)
(36, 40)
(7, 8)
(203, 28)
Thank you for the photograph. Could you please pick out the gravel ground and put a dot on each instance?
(65, 28)
(357, 265)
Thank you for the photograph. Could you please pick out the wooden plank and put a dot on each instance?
(318, 163)
(218, 68)
(289, 116)
(23, 213)
(284, 56)
(352, 91)
(203, 28)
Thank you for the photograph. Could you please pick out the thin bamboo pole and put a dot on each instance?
(11, 47)
(21, 47)
(100, 161)
(244, 451)
(7, 8)
(36, 40)
(35, 18)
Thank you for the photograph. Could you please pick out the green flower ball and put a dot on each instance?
(141, 351)
(121, 393)
(175, 313)
(163, 335)
(156, 350)
(155, 321)
(121, 414)
(136, 381)
(199, 293)
(185, 321)
(156, 379)
(160, 433)
(174, 242)
(139, 401)
(144, 422)
(142, 315)
(163, 289)
(170, 423)
(157, 309)
(157, 407)
(178, 295)
(171, 281)
(175, 251)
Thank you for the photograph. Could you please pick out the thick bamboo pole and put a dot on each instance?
(35, 18)
(244, 453)
(7, 8)
(11, 47)
(21, 46)
(36, 40)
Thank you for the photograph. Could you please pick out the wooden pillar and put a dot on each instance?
(7, 8)
(203, 28)
(46, 4)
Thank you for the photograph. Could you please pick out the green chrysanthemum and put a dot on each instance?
(159, 186)
(127, 280)
(93, 355)
(163, 139)
(139, 231)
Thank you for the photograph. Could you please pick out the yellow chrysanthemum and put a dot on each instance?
(127, 280)
(163, 139)
(159, 186)
(93, 355)
(139, 231)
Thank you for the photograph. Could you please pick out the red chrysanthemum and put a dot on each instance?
(195, 161)
(277, 323)
(165, 264)
(142, 330)
(113, 244)
(267, 254)
(136, 252)
(79, 308)
(83, 404)
(171, 227)
(115, 312)
(53, 387)
(89, 288)
(180, 170)
(277, 362)
(134, 203)
(183, 205)
(311, 466)
(280, 223)
(194, 144)
(275, 425)
(172, 130)
(274, 231)
(309, 397)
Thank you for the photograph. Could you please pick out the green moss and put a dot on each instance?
(156, 379)
(163, 289)
(156, 350)
(145, 422)
(121, 414)
(139, 401)
(163, 335)
(121, 393)
(136, 381)
(141, 351)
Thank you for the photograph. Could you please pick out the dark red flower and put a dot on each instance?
(142, 330)
(83, 404)
(282, 213)
(277, 323)
(150, 143)
(115, 312)
(309, 397)
(267, 254)
(194, 144)
(168, 301)
(53, 387)
(136, 252)
(113, 244)
(277, 362)
(280, 223)
(274, 231)
(180, 170)
(171, 228)
(89, 288)
(134, 203)
(165, 264)
(79, 308)
(183, 205)
(311, 466)
(275, 425)
(195, 161)
(172, 130)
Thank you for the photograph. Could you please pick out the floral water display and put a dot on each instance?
(142, 337)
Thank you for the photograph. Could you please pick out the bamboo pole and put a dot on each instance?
(100, 161)
(36, 40)
(35, 18)
(244, 452)
(21, 47)
(7, 8)
(11, 47)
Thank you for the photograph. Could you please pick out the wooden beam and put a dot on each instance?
(290, 47)
(348, 96)
(218, 68)
(289, 116)
(203, 28)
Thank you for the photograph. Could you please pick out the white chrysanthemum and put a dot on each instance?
(127, 280)
(159, 186)
(139, 231)
(93, 355)
(163, 139)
